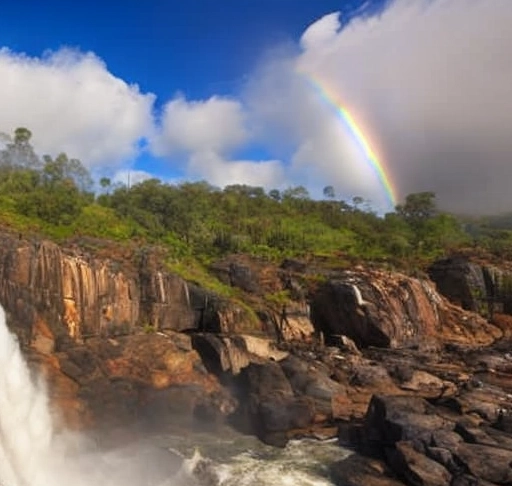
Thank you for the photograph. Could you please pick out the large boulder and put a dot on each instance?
(268, 404)
(384, 309)
(391, 419)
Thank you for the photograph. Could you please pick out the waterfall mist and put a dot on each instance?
(34, 453)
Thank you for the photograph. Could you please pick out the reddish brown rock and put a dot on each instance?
(376, 308)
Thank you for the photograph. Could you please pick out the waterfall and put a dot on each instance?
(26, 428)
(33, 453)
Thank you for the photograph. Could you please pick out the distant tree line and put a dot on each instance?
(54, 195)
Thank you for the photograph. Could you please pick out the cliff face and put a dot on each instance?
(81, 296)
(477, 286)
(82, 318)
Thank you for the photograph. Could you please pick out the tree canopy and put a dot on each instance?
(55, 195)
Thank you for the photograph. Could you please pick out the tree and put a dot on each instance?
(418, 207)
(357, 201)
(274, 194)
(329, 192)
(105, 183)
(62, 168)
(298, 192)
(18, 151)
(22, 135)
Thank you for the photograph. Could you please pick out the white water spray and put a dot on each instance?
(26, 428)
(32, 453)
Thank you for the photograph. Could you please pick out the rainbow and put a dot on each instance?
(360, 138)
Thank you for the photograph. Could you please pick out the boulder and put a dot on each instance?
(489, 463)
(416, 468)
(381, 309)
(268, 405)
(391, 419)
(357, 470)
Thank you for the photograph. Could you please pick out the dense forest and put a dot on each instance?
(56, 197)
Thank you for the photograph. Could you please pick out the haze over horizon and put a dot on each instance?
(225, 91)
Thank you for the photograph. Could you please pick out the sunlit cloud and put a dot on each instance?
(218, 171)
(72, 103)
(428, 81)
(216, 124)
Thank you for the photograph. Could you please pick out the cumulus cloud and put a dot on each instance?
(222, 172)
(216, 124)
(72, 103)
(206, 133)
(429, 82)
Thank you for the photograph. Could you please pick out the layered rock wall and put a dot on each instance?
(81, 296)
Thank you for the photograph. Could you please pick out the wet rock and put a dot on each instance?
(476, 286)
(489, 463)
(391, 419)
(312, 380)
(463, 282)
(416, 468)
(357, 470)
(269, 403)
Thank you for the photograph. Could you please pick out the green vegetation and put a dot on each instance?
(197, 223)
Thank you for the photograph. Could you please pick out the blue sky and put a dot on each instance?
(198, 47)
(216, 90)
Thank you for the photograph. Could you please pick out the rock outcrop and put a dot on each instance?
(477, 286)
(459, 435)
(149, 377)
(378, 358)
(384, 309)
(80, 295)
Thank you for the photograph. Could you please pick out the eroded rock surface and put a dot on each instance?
(379, 359)
(382, 309)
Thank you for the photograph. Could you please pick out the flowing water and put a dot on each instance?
(34, 453)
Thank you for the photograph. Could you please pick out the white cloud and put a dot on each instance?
(321, 33)
(430, 83)
(72, 103)
(129, 177)
(207, 133)
(218, 171)
(216, 124)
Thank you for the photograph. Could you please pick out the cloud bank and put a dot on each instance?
(428, 81)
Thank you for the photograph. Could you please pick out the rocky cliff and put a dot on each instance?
(121, 338)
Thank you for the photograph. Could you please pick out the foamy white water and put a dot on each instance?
(33, 453)
(237, 460)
